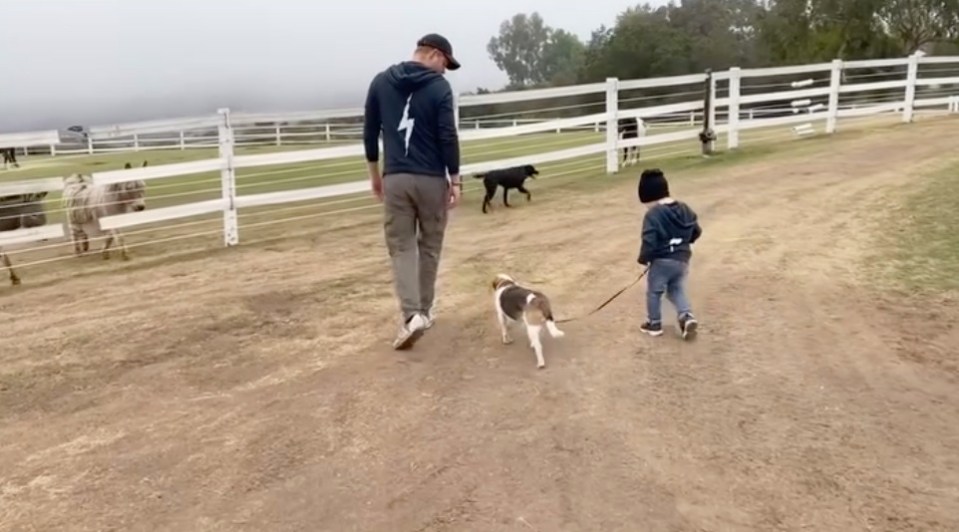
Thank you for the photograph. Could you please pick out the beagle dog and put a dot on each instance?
(514, 303)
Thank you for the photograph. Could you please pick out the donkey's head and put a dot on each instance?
(131, 194)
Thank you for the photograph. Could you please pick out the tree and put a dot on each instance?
(518, 50)
(562, 58)
(917, 23)
(798, 31)
(674, 39)
(533, 54)
(595, 58)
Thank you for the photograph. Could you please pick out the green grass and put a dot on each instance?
(185, 189)
(175, 240)
(922, 242)
(198, 187)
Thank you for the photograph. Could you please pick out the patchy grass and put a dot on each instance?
(922, 239)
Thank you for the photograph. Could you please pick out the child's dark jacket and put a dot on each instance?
(668, 231)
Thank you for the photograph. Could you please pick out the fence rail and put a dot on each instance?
(676, 112)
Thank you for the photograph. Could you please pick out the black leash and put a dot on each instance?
(608, 301)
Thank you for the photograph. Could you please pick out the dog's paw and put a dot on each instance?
(559, 334)
(507, 339)
(541, 365)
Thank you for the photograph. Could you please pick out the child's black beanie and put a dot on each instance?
(652, 185)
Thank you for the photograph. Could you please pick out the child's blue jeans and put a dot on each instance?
(666, 276)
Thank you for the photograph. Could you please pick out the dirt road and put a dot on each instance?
(257, 391)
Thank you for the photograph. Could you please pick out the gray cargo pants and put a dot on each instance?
(414, 223)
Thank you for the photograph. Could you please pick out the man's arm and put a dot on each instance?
(372, 123)
(648, 245)
(448, 137)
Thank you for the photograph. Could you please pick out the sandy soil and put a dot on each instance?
(255, 390)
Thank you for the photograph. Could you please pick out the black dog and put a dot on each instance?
(9, 156)
(629, 129)
(507, 178)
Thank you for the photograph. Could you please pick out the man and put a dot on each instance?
(412, 104)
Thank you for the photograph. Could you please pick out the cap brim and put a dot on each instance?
(452, 63)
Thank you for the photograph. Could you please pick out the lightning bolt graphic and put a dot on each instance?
(406, 123)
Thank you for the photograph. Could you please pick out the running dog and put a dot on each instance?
(514, 303)
(508, 178)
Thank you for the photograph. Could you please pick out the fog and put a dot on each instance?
(94, 62)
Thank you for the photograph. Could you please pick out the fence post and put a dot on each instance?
(328, 136)
(89, 144)
(231, 232)
(911, 74)
(53, 150)
(136, 142)
(732, 121)
(279, 136)
(708, 136)
(612, 129)
(182, 141)
(835, 82)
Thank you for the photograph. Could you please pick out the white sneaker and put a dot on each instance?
(410, 332)
(430, 319)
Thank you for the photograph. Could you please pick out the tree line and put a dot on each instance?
(693, 35)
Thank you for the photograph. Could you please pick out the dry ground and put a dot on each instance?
(255, 390)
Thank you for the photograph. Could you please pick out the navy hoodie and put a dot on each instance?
(413, 107)
(668, 231)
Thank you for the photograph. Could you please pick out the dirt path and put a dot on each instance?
(257, 392)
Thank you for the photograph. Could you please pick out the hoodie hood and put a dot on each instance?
(679, 214)
(410, 76)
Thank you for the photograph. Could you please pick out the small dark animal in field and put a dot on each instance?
(21, 211)
(9, 157)
(85, 203)
(508, 178)
(628, 128)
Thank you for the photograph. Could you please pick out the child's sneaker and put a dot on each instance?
(652, 329)
(688, 326)
(410, 332)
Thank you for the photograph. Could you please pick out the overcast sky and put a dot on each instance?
(95, 62)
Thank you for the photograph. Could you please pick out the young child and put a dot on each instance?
(669, 227)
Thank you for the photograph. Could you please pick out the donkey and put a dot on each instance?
(21, 211)
(85, 203)
(630, 128)
(9, 157)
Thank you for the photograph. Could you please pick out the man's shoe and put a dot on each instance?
(410, 332)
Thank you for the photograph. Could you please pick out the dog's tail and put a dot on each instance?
(540, 312)
(479, 176)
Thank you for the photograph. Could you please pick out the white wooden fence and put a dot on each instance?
(809, 95)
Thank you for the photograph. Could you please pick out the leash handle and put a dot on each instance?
(610, 300)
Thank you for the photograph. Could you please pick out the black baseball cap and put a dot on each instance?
(435, 40)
